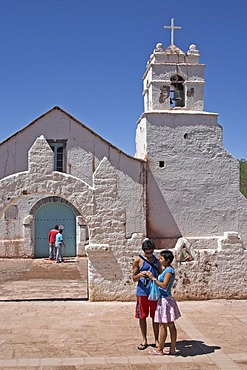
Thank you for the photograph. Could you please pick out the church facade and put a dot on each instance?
(181, 189)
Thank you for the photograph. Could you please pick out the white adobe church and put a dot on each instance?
(180, 189)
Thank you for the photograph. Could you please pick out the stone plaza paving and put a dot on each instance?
(46, 322)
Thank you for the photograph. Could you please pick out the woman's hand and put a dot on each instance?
(150, 275)
(143, 274)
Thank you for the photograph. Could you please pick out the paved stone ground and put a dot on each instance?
(29, 279)
(46, 333)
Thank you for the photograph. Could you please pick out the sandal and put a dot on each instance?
(167, 352)
(154, 352)
(141, 346)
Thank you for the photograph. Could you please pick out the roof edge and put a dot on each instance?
(56, 107)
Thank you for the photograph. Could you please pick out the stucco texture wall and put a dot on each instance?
(84, 152)
(102, 209)
(196, 192)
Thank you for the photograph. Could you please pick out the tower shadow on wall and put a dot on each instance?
(161, 225)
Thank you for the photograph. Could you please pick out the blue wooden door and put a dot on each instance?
(46, 218)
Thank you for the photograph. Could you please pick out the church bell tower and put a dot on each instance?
(173, 82)
(188, 182)
(173, 79)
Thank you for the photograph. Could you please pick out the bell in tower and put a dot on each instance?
(174, 79)
(177, 100)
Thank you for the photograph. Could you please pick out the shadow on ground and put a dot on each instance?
(194, 348)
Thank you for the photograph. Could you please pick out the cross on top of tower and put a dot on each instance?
(172, 28)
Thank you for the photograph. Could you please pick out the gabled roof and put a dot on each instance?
(77, 121)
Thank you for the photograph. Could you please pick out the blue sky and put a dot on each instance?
(88, 57)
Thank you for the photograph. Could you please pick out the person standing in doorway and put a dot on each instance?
(52, 239)
(146, 262)
(58, 244)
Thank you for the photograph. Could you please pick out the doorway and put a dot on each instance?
(47, 216)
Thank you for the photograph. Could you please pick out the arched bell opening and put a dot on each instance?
(177, 98)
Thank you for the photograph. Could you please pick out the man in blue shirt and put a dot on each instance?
(146, 262)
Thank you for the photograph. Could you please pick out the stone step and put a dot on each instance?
(42, 279)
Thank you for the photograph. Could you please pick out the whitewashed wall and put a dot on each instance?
(196, 193)
(85, 150)
(101, 207)
(218, 270)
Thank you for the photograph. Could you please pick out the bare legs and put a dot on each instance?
(143, 327)
(163, 335)
(156, 332)
(173, 334)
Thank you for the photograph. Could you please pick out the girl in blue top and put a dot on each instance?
(167, 310)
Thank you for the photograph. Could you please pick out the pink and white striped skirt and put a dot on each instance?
(167, 310)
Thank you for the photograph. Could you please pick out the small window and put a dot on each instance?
(161, 164)
(58, 147)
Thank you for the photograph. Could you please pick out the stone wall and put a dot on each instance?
(84, 153)
(110, 251)
(218, 269)
(196, 190)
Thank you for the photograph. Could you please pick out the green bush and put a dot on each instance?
(243, 177)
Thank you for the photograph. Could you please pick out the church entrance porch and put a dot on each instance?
(46, 218)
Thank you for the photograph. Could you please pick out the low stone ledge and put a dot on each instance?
(98, 249)
(13, 248)
(231, 236)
